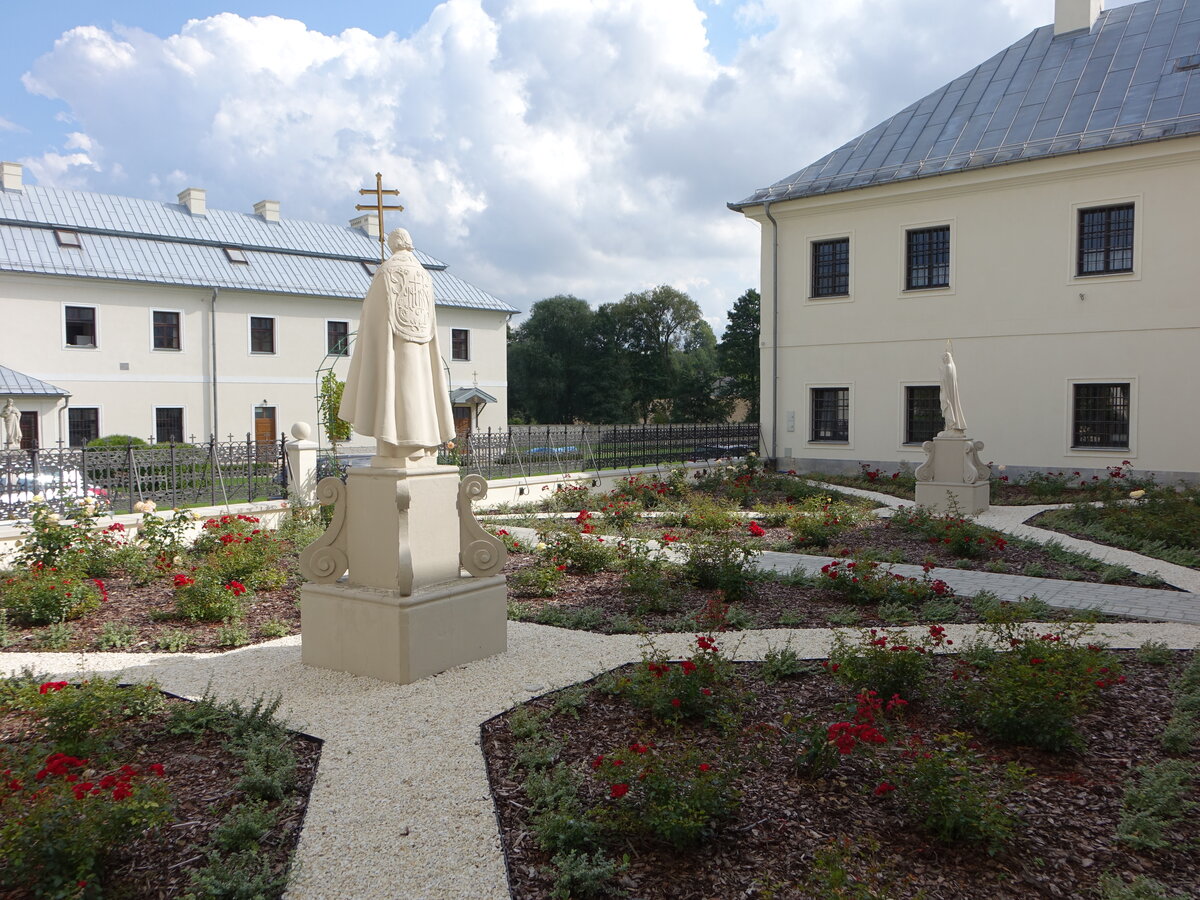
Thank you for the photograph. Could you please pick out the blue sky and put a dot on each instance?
(541, 146)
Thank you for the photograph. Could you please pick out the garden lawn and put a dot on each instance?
(595, 791)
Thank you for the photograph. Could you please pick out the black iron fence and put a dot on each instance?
(550, 449)
(171, 475)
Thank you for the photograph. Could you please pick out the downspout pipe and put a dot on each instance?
(212, 327)
(774, 333)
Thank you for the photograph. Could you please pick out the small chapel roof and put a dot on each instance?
(54, 231)
(1134, 77)
(17, 383)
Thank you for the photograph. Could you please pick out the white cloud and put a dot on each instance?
(6, 125)
(540, 146)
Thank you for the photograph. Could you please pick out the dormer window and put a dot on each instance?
(235, 255)
(67, 238)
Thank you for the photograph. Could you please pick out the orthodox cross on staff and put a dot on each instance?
(378, 206)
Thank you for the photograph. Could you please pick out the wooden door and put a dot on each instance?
(462, 420)
(29, 430)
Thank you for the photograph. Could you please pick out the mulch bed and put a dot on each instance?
(149, 610)
(201, 776)
(1069, 806)
(771, 604)
(1041, 520)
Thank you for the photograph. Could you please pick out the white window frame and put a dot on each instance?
(345, 322)
(177, 312)
(454, 358)
(813, 239)
(847, 444)
(182, 425)
(950, 289)
(1073, 277)
(63, 325)
(250, 335)
(1129, 452)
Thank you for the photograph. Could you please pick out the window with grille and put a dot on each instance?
(460, 343)
(831, 268)
(830, 414)
(83, 425)
(262, 334)
(337, 338)
(168, 424)
(922, 413)
(81, 326)
(927, 260)
(1105, 240)
(166, 330)
(1101, 416)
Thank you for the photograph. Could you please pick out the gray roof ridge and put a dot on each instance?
(1089, 89)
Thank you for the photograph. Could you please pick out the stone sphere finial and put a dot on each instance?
(301, 431)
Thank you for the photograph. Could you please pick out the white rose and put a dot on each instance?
(39, 498)
(1137, 495)
(54, 517)
(541, 545)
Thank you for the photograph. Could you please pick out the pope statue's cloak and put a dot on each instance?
(396, 388)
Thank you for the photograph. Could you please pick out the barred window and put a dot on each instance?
(166, 330)
(83, 425)
(1101, 416)
(460, 343)
(831, 268)
(1105, 240)
(830, 414)
(168, 424)
(922, 413)
(337, 338)
(262, 334)
(927, 261)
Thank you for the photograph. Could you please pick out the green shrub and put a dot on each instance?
(1113, 887)
(583, 876)
(677, 796)
(116, 637)
(1155, 653)
(700, 687)
(51, 540)
(117, 442)
(236, 548)
(245, 875)
(1032, 692)
(41, 595)
(782, 662)
(953, 794)
(173, 641)
(64, 817)
(56, 636)
(535, 581)
(581, 554)
(1155, 804)
(940, 610)
(724, 563)
(205, 595)
(896, 613)
(708, 515)
(651, 579)
(960, 536)
(244, 826)
(864, 581)
(890, 663)
(274, 629)
(232, 634)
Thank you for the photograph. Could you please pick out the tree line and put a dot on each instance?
(650, 357)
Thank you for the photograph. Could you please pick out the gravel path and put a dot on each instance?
(401, 806)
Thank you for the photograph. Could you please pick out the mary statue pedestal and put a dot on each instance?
(387, 596)
(952, 479)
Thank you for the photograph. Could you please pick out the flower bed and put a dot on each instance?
(791, 782)
(120, 791)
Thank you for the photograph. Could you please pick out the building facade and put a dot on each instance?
(172, 321)
(1040, 212)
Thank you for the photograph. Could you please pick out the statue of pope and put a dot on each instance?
(396, 388)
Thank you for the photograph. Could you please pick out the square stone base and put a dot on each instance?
(383, 635)
(971, 499)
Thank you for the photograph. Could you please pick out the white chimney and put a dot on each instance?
(267, 209)
(10, 176)
(193, 199)
(368, 223)
(1075, 15)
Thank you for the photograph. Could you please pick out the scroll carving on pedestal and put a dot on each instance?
(325, 559)
(480, 553)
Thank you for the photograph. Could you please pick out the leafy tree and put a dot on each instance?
(329, 401)
(696, 374)
(548, 365)
(739, 352)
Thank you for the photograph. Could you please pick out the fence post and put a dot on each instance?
(129, 468)
(301, 458)
(250, 453)
(283, 463)
(174, 479)
(213, 468)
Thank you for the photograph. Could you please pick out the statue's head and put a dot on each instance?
(399, 240)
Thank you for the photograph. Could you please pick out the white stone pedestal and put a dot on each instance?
(405, 610)
(384, 635)
(952, 477)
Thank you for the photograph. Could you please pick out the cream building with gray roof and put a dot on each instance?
(1041, 211)
(174, 320)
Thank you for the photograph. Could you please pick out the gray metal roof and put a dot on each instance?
(126, 239)
(471, 395)
(1133, 78)
(16, 383)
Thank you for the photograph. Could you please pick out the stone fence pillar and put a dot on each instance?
(302, 465)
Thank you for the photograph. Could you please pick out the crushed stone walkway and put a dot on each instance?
(401, 806)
